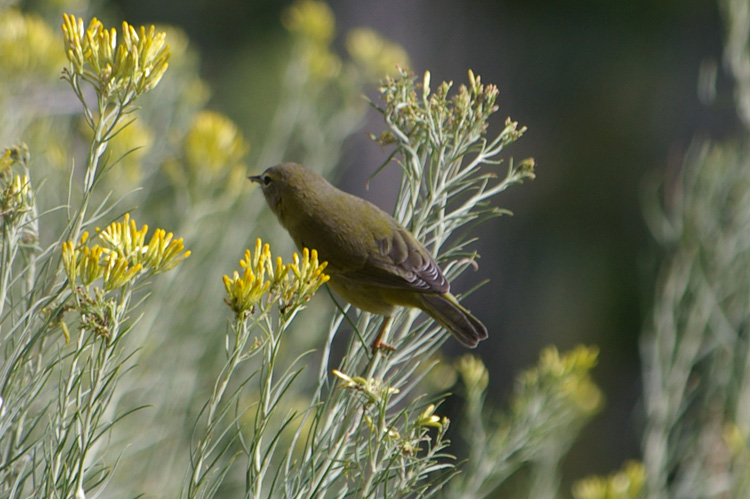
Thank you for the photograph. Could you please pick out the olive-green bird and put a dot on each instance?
(374, 263)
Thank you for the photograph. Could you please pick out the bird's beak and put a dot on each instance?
(254, 178)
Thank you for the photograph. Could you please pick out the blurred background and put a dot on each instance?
(610, 94)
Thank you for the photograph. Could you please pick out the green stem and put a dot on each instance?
(62, 426)
(9, 250)
(241, 334)
(264, 412)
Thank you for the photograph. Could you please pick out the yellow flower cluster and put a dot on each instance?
(311, 19)
(625, 484)
(473, 372)
(16, 197)
(6, 161)
(16, 194)
(430, 419)
(376, 396)
(462, 116)
(213, 150)
(16, 155)
(127, 69)
(292, 284)
(373, 389)
(308, 276)
(161, 254)
(122, 256)
(314, 25)
(570, 373)
(214, 142)
(376, 55)
(245, 291)
(28, 44)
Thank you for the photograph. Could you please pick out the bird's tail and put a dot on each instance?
(446, 310)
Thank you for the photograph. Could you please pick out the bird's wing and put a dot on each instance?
(401, 262)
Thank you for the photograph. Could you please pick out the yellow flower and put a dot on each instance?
(123, 257)
(584, 393)
(552, 364)
(214, 146)
(299, 280)
(257, 261)
(145, 53)
(473, 371)
(734, 438)
(311, 19)
(624, 484)
(374, 389)
(81, 45)
(278, 272)
(246, 290)
(161, 254)
(126, 238)
(16, 194)
(117, 272)
(90, 266)
(429, 418)
(323, 64)
(593, 487)
(127, 69)
(569, 374)
(70, 260)
(293, 283)
(377, 56)
(6, 161)
(313, 24)
(309, 273)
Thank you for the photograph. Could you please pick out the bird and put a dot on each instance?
(374, 263)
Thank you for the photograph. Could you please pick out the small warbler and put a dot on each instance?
(374, 263)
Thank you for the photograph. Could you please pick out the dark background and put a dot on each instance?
(609, 93)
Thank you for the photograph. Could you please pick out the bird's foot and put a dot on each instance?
(378, 345)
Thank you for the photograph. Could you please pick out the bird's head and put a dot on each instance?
(287, 185)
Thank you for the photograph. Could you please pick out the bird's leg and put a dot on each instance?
(378, 344)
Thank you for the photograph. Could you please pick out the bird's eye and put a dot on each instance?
(266, 180)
